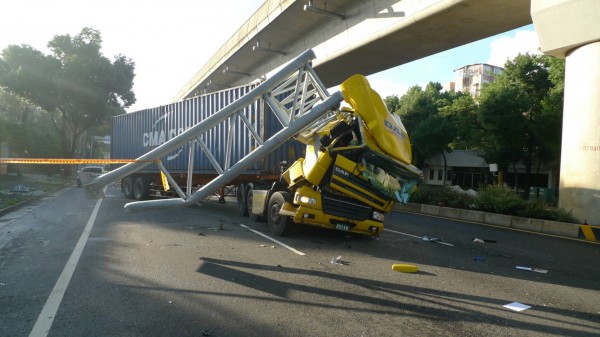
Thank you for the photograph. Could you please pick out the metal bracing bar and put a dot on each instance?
(277, 110)
(270, 144)
(172, 181)
(284, 87)
(320, 86)
(296, 93)
(250, 128)
(95, 187)
(305, 90)
(209, 154)
(229, 142)
(190, 171)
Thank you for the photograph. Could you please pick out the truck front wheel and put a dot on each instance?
(141, 189)
(241, 200)
(127, 187)
(279, 224)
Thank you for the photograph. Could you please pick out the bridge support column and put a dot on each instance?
(569, 29)
(580, 162)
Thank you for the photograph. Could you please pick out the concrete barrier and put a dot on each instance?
(430, 209)
(470, 215)
(497, 219)
(528, 224)
(557, 228)
(570, 230)
(447, 212)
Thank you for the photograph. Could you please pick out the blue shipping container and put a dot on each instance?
(134, 134)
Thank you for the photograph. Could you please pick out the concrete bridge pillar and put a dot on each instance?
(569, 29)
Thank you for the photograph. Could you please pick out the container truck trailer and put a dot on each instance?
(295, 155)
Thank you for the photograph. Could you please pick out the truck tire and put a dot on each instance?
(280, 225)
(141, 189)
(249, 199)
(241, 200)
(127, 187)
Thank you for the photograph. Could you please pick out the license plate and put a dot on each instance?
(342, 227)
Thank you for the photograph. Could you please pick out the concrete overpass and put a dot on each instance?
(353, 36)
(368, 36)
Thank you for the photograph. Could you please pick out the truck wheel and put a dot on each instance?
(279, 224)
(241, 200)
(249, 202)
(127, 187)
(141, 189)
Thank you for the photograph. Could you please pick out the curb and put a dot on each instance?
(563, 229)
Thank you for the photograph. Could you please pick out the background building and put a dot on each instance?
(470, 78)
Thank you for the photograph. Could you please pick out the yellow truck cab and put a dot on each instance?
(356, 167)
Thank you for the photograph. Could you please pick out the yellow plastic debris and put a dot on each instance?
(405, 268)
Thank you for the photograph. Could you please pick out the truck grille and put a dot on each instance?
(345, 207)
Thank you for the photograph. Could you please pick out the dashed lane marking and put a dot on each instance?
(276, 241)
(418, 237)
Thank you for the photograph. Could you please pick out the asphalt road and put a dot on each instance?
(76, 267)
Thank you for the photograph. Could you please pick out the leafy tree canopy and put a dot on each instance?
(78, 86)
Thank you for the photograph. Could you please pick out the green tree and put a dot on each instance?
(422, 113)
(76, 85)
(516, 111)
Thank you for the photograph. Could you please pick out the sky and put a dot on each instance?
(170, 40)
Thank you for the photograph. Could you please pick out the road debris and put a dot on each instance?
(430, 239)
(338, 260)
(516, 306)
(479, 258)
(405, 268)
(535, 270)
(205, 332)
(478, 240)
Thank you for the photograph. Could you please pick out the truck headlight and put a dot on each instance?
(302, 199)
(378, 216)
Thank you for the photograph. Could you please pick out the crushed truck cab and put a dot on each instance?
(357, 165)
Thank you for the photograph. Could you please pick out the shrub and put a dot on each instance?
(491, 198)
(442, 196)
(499, 199)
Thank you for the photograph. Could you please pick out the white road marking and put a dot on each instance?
(44, 322)
(277, 242)
(418, 237)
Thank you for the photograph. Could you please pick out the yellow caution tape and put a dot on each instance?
(71, 161)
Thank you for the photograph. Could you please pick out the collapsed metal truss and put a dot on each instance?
(295, 95)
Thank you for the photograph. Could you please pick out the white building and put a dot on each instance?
(471, 78)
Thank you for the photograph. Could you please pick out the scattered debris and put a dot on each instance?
(21, 189)
(478, 240)
(273, 247)
(479, 258)
(405, 268)
(205, 332)
(263, 245)
(336, 260)
(201, 234)
(429, 239)
(516, 306)
(536, 270)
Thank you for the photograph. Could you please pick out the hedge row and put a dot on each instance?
(491, 198)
